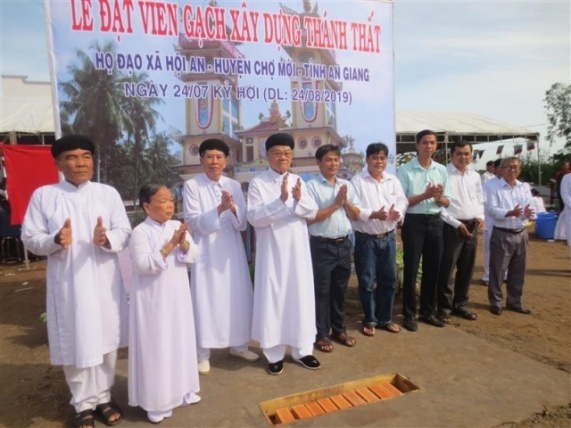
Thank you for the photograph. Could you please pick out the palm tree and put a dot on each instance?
(159, 159)
(92, 102)
(139, 126)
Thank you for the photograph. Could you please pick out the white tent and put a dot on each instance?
(25, 109)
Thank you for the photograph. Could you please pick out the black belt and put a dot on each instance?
(335, 241)
(377, 236)
(514, 231)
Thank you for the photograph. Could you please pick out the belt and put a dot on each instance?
(514, 231)
(377, 236)
(423, 215)
(335, 241)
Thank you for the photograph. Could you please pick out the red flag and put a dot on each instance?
(530, 146)
(517, 149)
(27, 168)
(499, 150)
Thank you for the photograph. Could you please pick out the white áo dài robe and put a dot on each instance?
(84, 287)
(220, 280)
(284, 299)
(162, 344)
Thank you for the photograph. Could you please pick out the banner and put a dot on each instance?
(530, 146)
(27, 168)
(134, 75)
(499, 150)
(517, 149)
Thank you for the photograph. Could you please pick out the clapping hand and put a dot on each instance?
(100, 233)
(64, 237)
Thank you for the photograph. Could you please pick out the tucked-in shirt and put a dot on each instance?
(375, 195)
(414, 180)
(467, 196)
(338, 224)
(486, 189)
(504, 198)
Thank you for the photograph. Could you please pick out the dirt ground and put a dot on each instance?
(33, 393)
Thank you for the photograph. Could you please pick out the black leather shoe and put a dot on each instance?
(520, 310)
(309, 362)
(410, 324)
(276, 368)
(495, 310)
(432, 320)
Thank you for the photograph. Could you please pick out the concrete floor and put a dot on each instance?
(464, 382)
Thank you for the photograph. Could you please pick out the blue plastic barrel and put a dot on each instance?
(545, 225)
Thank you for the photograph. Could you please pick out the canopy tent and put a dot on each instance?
(26, 111)
(455, 126)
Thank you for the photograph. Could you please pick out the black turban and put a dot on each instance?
(280, 139)
(72, 142)
(213, 144)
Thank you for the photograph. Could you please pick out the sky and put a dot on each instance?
(492, 58)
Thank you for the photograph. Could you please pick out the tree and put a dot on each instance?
(558, 109)
(93, 103)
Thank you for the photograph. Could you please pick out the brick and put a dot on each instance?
(314, 408)
(301, 412)
(380, 392)
(327, 405)
(284, 416)
(354, 399)
(341, 402)
(367, 395)
(392, 389)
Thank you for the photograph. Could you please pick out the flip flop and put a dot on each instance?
(391, 327)
(344, 339)
(368, 329)
(323, 344)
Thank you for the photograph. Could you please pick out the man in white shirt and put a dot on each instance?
(215, 210)
(81, 226)
(383, 204)
(489, 173)
(462, 220)
(489, 221)
(331, 247)
(510, 205)
(284, 301)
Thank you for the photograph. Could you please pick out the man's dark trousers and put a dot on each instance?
(421, 236)
(331, 272)
(459, 252)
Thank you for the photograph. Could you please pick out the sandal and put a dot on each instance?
(323, 344)
(83, 419)
(466, 314)
(368, 329)
(106, 411)
(344, 339)
(445, 318)
(391, 327)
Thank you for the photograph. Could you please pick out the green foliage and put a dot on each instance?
(531, 167)
(123, 128)
(558, 110)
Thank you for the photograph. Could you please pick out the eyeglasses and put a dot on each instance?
(512, 167)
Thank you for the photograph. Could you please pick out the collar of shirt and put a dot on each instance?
(368, 176)
(415, 164)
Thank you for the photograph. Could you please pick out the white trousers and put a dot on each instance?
(203, 354)
(91, 386)
(277, 353)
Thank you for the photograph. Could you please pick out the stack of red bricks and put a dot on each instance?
(346, 400)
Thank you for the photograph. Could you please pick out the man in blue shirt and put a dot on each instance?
(331, 247)
(425, 184)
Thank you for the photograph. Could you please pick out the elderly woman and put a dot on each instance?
(163, 372)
